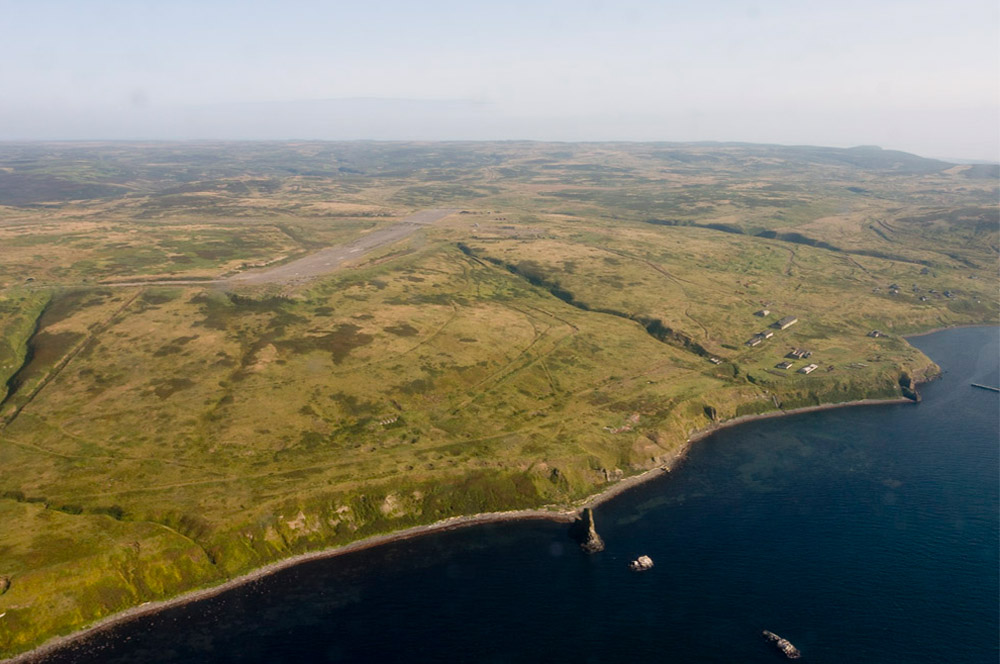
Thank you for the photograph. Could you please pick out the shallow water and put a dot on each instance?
(862, 534)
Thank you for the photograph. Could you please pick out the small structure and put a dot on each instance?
(759, 337)
(875, 334)
(783, 365)
(799, 354)
(808, 369)
(785, 323)
(641, 564)
(784, 645)
(762, 313)
(715, 360)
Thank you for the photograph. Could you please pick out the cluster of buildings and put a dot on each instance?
(896, 289)
(782, 324)
(798, 354)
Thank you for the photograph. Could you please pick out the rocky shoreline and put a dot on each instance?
(568, 515)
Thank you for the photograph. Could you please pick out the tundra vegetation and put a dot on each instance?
(580, 316)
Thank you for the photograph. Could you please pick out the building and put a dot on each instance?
(757, 338)
(783, 365)
(875, 334)
(785, 323)
(762, 313)
(799, 354)
(808, 369)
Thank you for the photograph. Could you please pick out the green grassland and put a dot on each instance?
(553, 337)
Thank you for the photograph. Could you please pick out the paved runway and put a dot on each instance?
(325, 260)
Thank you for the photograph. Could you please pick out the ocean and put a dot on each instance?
(865, 534)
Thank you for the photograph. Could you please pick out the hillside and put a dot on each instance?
(583, 311)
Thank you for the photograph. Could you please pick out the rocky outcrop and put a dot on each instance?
(908, 386)
(641, 564)
(584, 532)
(4, 584)
(784, 645)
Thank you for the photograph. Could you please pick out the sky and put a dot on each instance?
(916, 75)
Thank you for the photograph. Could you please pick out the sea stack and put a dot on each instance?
(586, 534)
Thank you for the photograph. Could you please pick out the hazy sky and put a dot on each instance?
(915, 75)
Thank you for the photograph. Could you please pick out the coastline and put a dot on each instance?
(949, 327)
(566, 515)
(148, 608)
(736, 421)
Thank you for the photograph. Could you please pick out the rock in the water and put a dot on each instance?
(641, 564)
(784, 645)
(584, 532)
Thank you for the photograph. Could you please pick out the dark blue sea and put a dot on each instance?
(863, 534)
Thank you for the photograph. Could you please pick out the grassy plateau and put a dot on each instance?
(581, 314)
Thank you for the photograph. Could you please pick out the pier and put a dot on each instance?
(986, 387)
